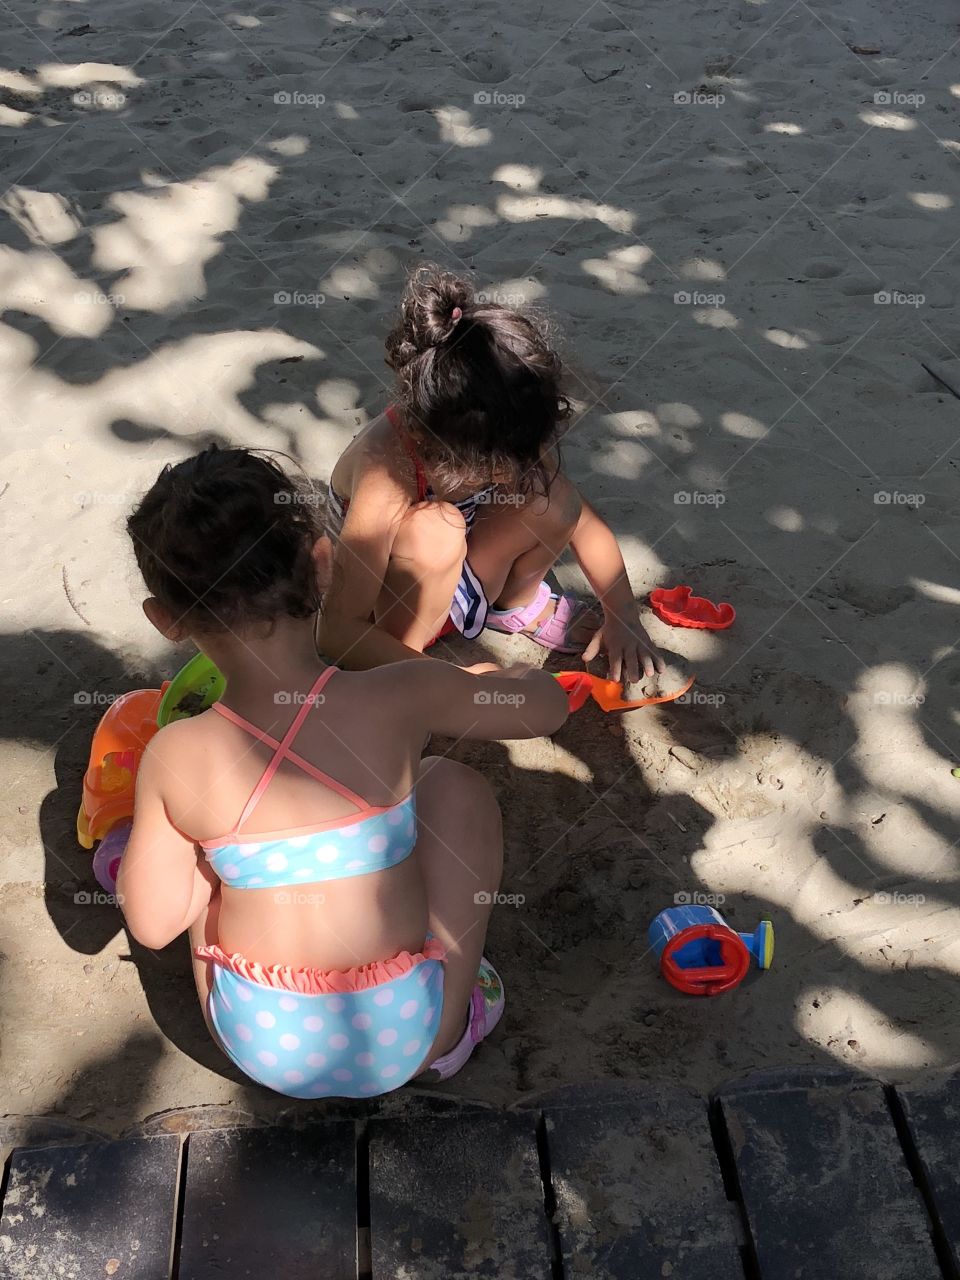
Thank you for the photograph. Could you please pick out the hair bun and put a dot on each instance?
(434, 303)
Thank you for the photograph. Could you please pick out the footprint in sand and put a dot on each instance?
(821, 269)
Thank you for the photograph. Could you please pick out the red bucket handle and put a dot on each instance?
(711, 981)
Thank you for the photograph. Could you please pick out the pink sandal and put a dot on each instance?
(554, 632)
(486, 1010)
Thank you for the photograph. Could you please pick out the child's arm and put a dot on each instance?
(161, 888)
(629, 649)
(369, 531)
(519, 702)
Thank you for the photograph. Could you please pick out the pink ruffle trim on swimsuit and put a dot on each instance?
(323, 982)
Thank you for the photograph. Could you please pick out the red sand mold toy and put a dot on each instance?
(681, 608)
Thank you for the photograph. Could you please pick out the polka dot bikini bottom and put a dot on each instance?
(352, 1044)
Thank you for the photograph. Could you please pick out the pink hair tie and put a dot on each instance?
(456, 314)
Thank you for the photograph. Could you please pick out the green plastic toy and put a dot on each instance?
(195, 687)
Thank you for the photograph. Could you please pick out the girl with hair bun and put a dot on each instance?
(448, 510)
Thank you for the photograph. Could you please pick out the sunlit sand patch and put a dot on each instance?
(789, 341)
(529, 208)
(703, 269)
(462, 220)
(678, 414)
(716, 318)
(930, 200)
(522, 177)
(634, 422)
(854, 1031)
(741, 424)
(618, 270)
(786, 519)
(59, 75)
(41, 284)
(13, 119)
(937, 591)
(888, 120)
(163, 241)
(457, 128)
(44, 217)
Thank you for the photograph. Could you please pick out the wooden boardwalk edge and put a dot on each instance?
(813, 1174)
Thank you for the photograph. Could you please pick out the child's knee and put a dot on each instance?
(467, 792)
(434, 535)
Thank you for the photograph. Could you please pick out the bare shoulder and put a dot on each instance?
(372, 458)
(180, 748)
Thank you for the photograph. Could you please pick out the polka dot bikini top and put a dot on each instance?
(372, 839)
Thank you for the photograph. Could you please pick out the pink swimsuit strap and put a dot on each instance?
(283, 751)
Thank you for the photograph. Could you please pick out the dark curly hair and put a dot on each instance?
(477, 384)
(225, 539)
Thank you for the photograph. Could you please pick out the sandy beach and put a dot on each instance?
(741, 224)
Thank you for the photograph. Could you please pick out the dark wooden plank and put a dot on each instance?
(932, 1115)
(271, 1202)
(637, 1185)
(97, 1210)
(456, 1198)
(826, 1188)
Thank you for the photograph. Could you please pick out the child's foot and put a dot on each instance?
(486, 1010)
(563, 624)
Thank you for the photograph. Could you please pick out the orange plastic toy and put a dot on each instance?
(681, 608)
(118, 745)
(607, 694)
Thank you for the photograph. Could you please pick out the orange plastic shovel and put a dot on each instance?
(607, 694)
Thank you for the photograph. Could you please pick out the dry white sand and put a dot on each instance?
(168, 228)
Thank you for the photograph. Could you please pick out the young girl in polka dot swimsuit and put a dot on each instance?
(336, 887)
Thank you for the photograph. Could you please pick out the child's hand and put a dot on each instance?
(629, 649)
